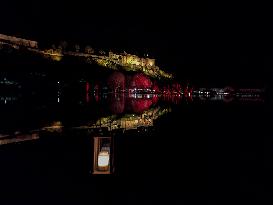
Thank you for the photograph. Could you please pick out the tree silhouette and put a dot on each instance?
(140, 81)
(89, 50)
(116, 81)
(63, 45)
(77, 48)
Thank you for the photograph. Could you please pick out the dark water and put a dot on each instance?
(164, 150)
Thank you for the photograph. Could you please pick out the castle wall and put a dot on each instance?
(18, 41)
(132, 59)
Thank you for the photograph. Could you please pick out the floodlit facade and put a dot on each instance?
(132, 59)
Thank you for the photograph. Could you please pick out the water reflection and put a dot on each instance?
(16, 138)
(137, 103)
(110, 111)
(106, 126)
(129, 121)
(117, 104)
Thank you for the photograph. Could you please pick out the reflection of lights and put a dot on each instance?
(103, 159)
(18, 138)
(58, 99)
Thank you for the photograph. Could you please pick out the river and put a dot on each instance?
(85, 148)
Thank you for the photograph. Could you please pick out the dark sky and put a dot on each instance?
(224, 41)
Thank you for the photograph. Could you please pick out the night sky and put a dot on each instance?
(207, 41)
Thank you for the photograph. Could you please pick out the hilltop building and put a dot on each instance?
(132, 59)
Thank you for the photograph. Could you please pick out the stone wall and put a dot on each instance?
(132, 59)
(18, 41)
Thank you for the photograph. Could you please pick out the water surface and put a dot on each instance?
(164, 149)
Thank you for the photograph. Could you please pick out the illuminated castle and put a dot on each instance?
(127, 62)
(132, 60)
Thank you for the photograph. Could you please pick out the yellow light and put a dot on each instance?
(103, 159)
